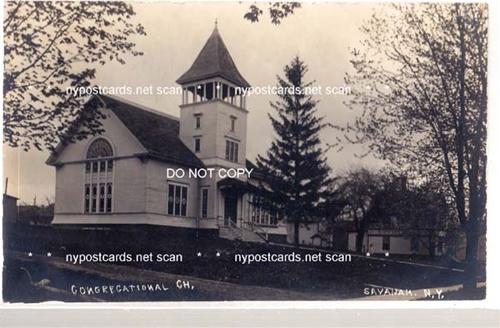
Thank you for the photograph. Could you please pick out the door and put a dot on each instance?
(230, 209)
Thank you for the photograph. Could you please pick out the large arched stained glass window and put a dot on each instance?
(99, 177)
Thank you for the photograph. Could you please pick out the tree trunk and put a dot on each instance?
(360, 235)
(470, 276)
(296, 233)
(432, 245)
(472, 228)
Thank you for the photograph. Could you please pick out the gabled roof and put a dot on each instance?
(213, 60)
(157, 132)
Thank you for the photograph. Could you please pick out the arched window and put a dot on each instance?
(99, 148)
(99, 177)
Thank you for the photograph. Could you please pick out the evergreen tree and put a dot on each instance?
(295, 170)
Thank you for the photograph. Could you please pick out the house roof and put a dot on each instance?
(7, 196)
(213, 60)
(256, 173)
(156, 131)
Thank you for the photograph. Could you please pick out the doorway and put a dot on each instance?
(230, 209)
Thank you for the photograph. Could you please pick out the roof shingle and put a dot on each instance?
(157, 132)
(214, 60)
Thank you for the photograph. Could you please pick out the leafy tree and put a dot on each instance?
(294, 167)
(52, 45)
(382, 199)
(333, 204)
(420, 79)
(277, 11)
(415, 210)
(359, 191)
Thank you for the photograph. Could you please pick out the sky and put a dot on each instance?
(322, 35)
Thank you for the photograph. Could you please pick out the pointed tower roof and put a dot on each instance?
(212, 61)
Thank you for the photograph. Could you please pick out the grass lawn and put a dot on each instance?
(337, 280)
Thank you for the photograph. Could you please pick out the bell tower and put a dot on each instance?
(213, 114)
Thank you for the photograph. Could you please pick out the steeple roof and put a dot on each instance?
(213, 60)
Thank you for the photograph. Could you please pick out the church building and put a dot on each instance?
(120, 176)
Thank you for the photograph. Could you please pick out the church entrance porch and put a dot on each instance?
(233, 190)
(230, 209)
(236, 221)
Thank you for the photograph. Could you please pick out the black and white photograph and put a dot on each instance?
(241, 151)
